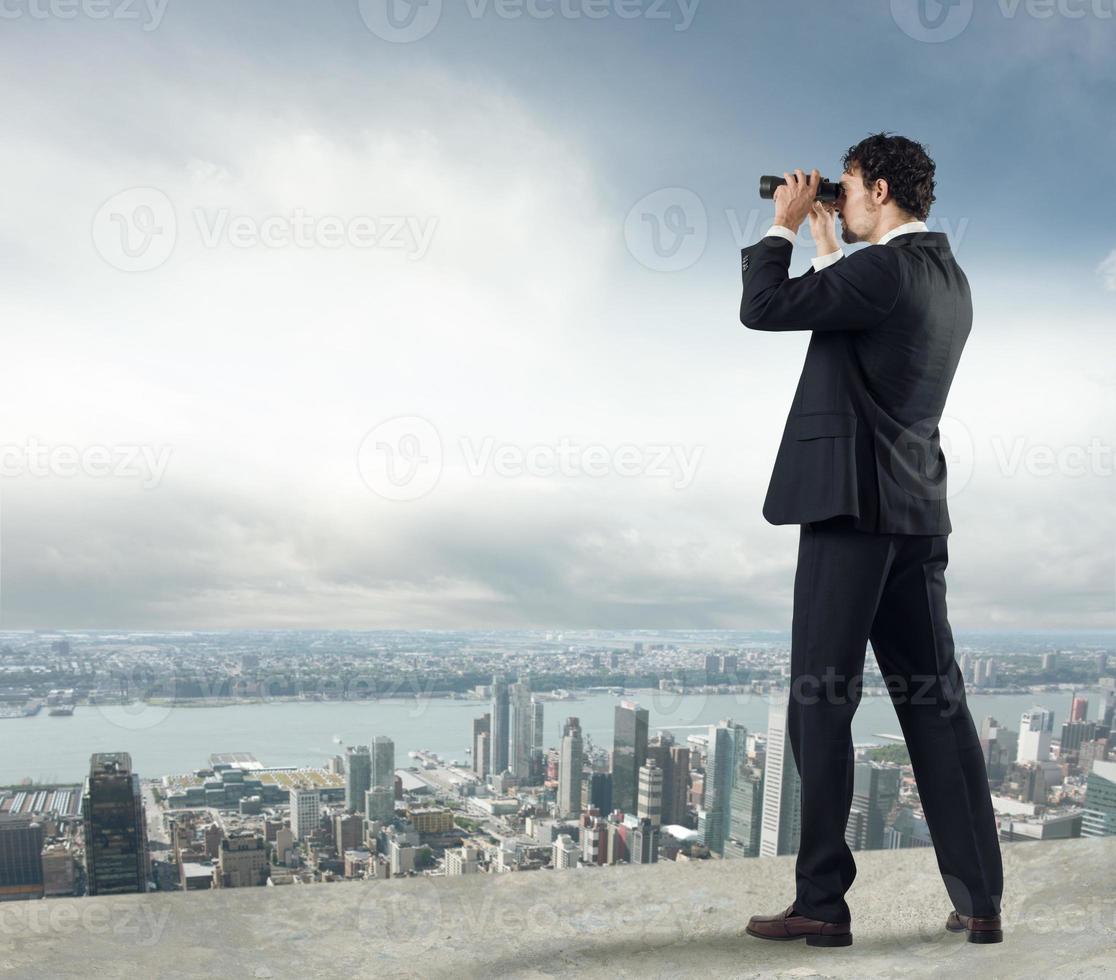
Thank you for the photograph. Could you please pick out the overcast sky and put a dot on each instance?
(330, 314)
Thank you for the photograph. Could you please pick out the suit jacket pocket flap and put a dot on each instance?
(819, 424)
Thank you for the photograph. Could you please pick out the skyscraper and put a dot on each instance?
(21, 864)
(380, 799)
(875, 792)
(782, 801)
(482, 728)
(242, 861)
(1036, 727)
(719, 763)
(746, 818)
(115, 832)
(498, 739)
(570, 765)
(649, 805)
(1098, 819)
(676, 787)
(538, 757)
(521, 719)
(358, 776)
(643, 842)
(305, 811)
(629, 752)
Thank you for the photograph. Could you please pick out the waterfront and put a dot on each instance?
(165, 739)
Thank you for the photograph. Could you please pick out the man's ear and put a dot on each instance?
(883, 191)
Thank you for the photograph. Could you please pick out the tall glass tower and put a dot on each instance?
(115, 833)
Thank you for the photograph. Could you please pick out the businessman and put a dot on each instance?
(861, 471)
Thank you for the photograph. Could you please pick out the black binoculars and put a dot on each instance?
(827, 190)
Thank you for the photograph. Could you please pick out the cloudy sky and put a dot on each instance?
(354, 315)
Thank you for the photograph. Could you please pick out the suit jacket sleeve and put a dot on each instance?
(854, 294)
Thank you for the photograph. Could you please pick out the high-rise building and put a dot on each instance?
(115, 832)
(875, 792)
(521, 717)
(358, 776)
(1079, 709)
(537, 767)
(782, 801)
(570, 766)
(649, 805)
(1076, 733)
(464, 860)
(719, 763)
(643, 842)
(242, 861)
(1036, 727)
(305, 811)
(746, 820)
(59, 868)
(380, 799)
(482, 728)
(564, 852)
(1106, 704)
(348, 832)
(21, 865)
(598, 793)
(1098, 818)
(498, 740)
(629, 752)
(676, 787)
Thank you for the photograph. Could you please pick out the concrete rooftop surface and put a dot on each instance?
(653, 921)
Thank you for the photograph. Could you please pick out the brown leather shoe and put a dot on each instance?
(980, 930)
(789, 925)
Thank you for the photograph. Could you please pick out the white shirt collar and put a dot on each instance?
(903, 230)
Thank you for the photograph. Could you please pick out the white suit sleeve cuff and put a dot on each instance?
(782, 232)
(822, 261)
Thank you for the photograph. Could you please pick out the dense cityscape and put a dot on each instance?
(530, 790)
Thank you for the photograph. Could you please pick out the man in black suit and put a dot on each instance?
(860, 469)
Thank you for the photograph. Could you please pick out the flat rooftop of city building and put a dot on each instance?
(668, 919)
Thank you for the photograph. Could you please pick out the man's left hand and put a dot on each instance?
(794, 200)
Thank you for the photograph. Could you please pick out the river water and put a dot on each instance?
(175, 739)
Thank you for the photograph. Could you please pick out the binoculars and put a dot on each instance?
(827, 190)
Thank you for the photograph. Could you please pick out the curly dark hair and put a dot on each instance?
(903, 163)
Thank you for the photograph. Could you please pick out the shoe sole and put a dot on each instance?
(843, 939)
(981, 936)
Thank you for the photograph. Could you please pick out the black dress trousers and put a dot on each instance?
(852, 586)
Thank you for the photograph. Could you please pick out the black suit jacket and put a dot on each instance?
(889, 323)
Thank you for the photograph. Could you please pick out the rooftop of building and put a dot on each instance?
(663, 920)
